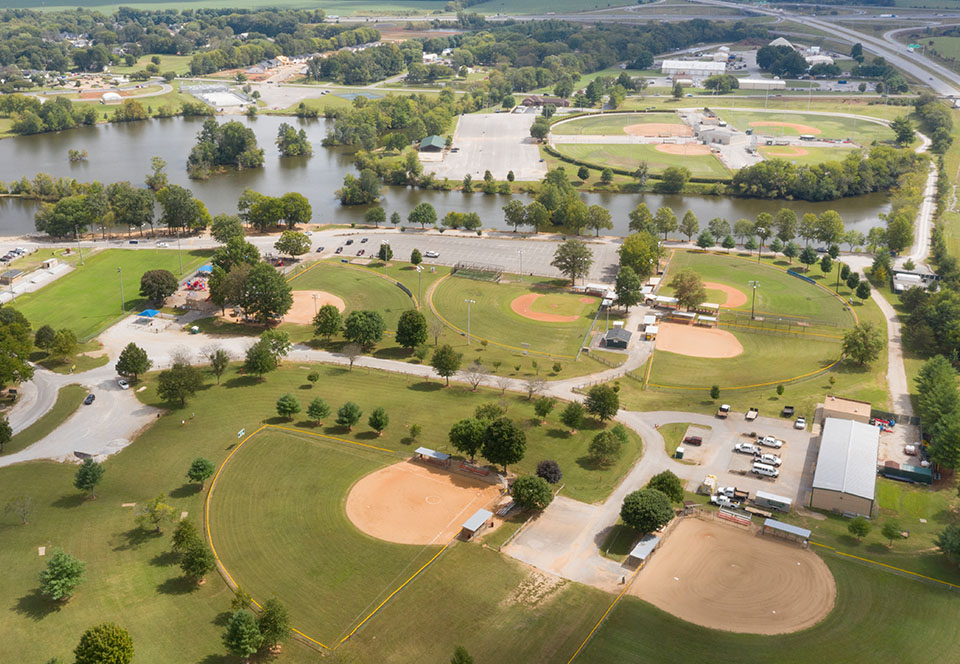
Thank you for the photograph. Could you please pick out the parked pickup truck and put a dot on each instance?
(733, 493)
(769, 459)
(787, 412)
(747, 448)
(723, 501)
(724, 411)
(752, 414)
(770, 441)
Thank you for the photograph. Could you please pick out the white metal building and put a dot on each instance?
(846, 475)
(819, 60)
(692, 68)
(762, 84)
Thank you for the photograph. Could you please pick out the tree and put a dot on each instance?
(411, 329)
(602, 401)
(352, 352)
(808, 256)
(859, 527)
(461, 656)
(628, 287)
(107, 643)
(64, 346)
(21, 506)
(328, 321)
(185, 535)
(549, 470)
(292, 243)
(200, 470)
(423, 214)
(606, 175)
(348, 414)
(641, 253)
(673, 179)
(531, 492)
(791, 250)
(666, 221)
(287, 406)
(219, 361)
(890, 530)
(236, 251)
(945, 446)
(605, 448)
(378, 420)
(61, 576)
(242, 637)
(416, 257)
(503, 443)
(937, 390)
(688, 288)
(446, 361)
(669, 484)
(689, 226)
(572, 416)
(293, 143)
(43, 338)
(583, 173)
(179, 382)
(949, 541)
(273, 622)
(903, 129)
(573, 258)
(514, 214)
(466, 436)
(158, 285)
(677, 90)
(543, 406)
(646, 510)
(265, 293)
(153, 513)
(375, 215)
(197, 561)
(385, 252)
(226, 227)
(133, 361)
(259, 359)
(598, 218)
(88, 475)
(540, 128)
(863, 290)
(318, 410)
(705, 240)
(826, 264)
(862, 343)
(641, 220)
(364, 328)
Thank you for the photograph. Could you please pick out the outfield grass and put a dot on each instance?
(493, 319)
(613, 123)
(279, 527)
(87, 300)
(871, 622)
(629, 156)
(835, 127)
(815, 155)
(69, 399)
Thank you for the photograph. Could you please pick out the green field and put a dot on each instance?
(279, 527)
(492, 318)
(860, 131)
(613, 123)
(868, 624)
(815, 155)
(87, 300)
(179, 64)
(629, 156)
(69, 399)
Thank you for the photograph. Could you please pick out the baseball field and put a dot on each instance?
(784, 123)
(657, 157)
(804, 155)
(619, 124)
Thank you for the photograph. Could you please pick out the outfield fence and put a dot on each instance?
(478, 271)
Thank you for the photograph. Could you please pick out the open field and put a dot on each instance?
(614, 124)
(88, 299)
(805, 156)
(493, 318)
(868, 624)
(69, 399)
(179, 64)
(629, 157)
(860, 131)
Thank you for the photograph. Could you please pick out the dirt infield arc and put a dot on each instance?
(307, 302)
(686, 149)
(523, 306)
(725, 577)
(734, 296)
(653, 129)
(697, 341)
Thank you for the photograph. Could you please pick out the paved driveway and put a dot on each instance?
(498, 142)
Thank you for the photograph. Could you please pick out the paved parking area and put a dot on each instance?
(498, 142)
(500, 251)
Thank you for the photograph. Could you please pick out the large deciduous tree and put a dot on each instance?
(531, 492)
(133, 361)
(688, 288)
(646, 510)
(61, 576)
(504, 443)
(573, 258)
(158, 285)
(265, 293)
(862, 343)
(411, 329)
(364, 328)
(446, 361)
(107, 643)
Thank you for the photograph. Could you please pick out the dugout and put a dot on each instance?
(786, 531)
(476, 524)
(427, 455)
(644, 549)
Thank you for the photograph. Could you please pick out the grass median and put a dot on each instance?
(69, 399)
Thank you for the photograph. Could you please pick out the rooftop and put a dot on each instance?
(645, 546)
(847, 461)
(693, 64)
(475, 522)
(848, 406)
(433, 142)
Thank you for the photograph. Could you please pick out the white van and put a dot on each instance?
(765, 470)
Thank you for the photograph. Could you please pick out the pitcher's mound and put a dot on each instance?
(697, 341)
(688, 149)
(304, 307)
(726, 578)
(650, 129)
(413, 503)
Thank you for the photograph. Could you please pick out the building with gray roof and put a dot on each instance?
(846, 476)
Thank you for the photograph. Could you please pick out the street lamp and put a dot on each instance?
(753, 304)
(469, 302)
(123, 306)
(419, 287)
(520, 254)
(179, 253)
(315, 311)
(760, 231)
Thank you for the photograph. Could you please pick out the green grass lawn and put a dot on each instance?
(69, 399)
(861, 131)
(613, 123)
(492, 318)
(814, 155)
(278, 525)
(88, 299)
(672, 437)
(868, 624)
(628, 156)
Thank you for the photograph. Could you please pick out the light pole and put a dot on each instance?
(753, 304)
(315, 311)
(123, 306)
(469, 302)
(760, 231)
(384, 253)
(179, 253)
(419, 287)
(520, 254)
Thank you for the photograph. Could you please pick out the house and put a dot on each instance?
(433, 144)
(846, 475)
(11, 277)
(617, 337)
(539, 100)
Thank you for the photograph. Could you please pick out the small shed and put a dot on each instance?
(617, 337)
(781, 529)
(432, 456)
(644, 548)
(433, 144)
(846, 409)
(49, 263)
(649, 319)
(11, 277)
(475, 524)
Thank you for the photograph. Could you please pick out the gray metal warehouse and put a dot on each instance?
(846, 476)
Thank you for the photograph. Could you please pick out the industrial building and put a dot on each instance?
(846, 475)
(762, 84)
(692, 68)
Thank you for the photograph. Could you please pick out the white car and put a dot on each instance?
(123, 383)
(801, 423)
(431, 254)
(769, 459)
(770, 441)
(747, 448)
(162, 244)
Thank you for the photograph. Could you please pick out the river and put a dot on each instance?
(123, 152)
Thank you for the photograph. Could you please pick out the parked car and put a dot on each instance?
(431, 254)
(693, 440)
(162, 245)
(349, 242)
(769, 459)
(361, 252)
(122, 383)
(747, 448)
(770, 441)
(319, 250)
(363, 240)
(801, 423)
(724, 411)
(89, 399)
(339, 250)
